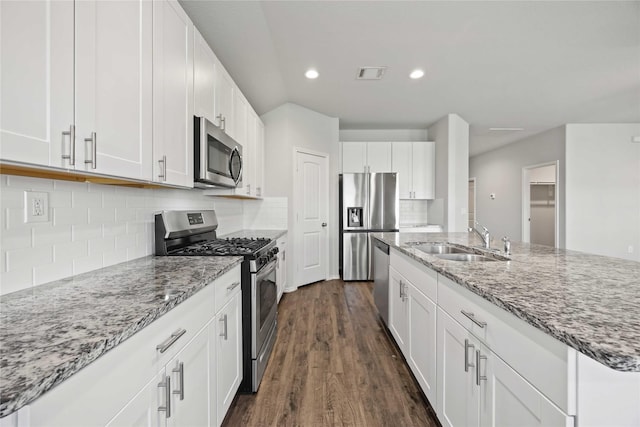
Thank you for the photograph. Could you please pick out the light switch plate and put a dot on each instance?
(36, 206)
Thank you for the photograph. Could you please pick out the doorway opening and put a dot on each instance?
(540, 204)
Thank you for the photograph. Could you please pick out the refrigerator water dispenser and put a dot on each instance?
(354, 216)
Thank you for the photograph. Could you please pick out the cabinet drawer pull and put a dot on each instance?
(169, 341)
(233, 286)
(166, 384)
(179, 369)
(467, 346)
(472, 317)
(72, 145)
(478, 376)
(223, 334)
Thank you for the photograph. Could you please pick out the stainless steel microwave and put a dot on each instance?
(217, 156)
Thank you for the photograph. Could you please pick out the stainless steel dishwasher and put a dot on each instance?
(381, 279)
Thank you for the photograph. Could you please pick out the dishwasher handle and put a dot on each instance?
(381, 245)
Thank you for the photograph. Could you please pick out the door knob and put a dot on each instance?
(324, 224)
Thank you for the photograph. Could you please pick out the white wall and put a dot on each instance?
(603, 189)
(500, 172)
(383, 135)
(269, 213)
(450, 207)
(91, 226)
(289, 126)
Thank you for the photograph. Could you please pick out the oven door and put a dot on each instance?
(264, 305)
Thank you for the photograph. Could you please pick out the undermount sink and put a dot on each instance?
(435, 249)
(466, 257)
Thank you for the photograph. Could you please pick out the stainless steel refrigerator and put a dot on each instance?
(368, 203)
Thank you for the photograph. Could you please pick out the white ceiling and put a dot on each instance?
(535, 65)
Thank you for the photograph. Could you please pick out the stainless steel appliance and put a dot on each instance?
(217, 157)
(381, 278)
(368, 203)
(185, 233)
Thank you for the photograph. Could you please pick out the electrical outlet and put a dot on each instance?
(36, 206)
(630, 249)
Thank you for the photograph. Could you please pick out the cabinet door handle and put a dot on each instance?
(478, 376)
(224, 327)
(94, 151)
(163, 168)
(472, 317)
(166, 384)
(162, 347)
(233, 286)
(259, 191)
(284, 256)
(400, 286)
(72, 145)
(467, 346)
(248, 188)
(179, 369)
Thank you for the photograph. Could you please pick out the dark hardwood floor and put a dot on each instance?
(333, 365)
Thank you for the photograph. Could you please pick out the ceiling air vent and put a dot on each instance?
(370, 73)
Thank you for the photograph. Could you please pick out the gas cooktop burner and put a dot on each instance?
(229, 246)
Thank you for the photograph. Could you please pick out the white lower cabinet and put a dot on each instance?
(476, 363)
(184, 369)
(413, 325)
(477, 388)
(226, 336)
(281, 266)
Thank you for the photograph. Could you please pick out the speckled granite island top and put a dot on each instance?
(253, 234)
(50, 332)
(589, 302)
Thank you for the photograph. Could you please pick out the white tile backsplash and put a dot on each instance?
(93, 226)
(413, 212)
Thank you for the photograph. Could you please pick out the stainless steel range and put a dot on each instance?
(193, 233)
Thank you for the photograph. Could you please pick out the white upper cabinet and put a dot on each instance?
(359, 157)
(224, 97)
(111, 93)
(204, 85)
(240, 124)
(249, 156)
(36, 89)
(173, 35)
(415, 164)
(113, 88)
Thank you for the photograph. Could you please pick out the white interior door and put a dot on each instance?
(311, 212)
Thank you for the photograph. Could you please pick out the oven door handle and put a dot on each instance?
(266, 269)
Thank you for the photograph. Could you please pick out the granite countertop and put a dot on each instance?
(589, 302)
(248, 234)
(50, 332)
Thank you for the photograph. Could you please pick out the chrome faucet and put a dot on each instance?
(507, 245)
(485, 236)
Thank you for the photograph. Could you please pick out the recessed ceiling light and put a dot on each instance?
(506, 129)
(311, 74)
(416, 74)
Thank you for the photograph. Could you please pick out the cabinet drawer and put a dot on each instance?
(423, 278)
(96, 393)
(544, 361)
(226, 287)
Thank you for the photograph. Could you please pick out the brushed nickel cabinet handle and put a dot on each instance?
(163, 168)
(472, 317)
(478, 376)
(166, 384)
(94, 150)
(179, 369)
(467, 346)
(223, 319)
(233, 286)
(164, 346)
(72, 145)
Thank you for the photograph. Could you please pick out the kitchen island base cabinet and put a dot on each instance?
(412, 322)
(477, 388)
